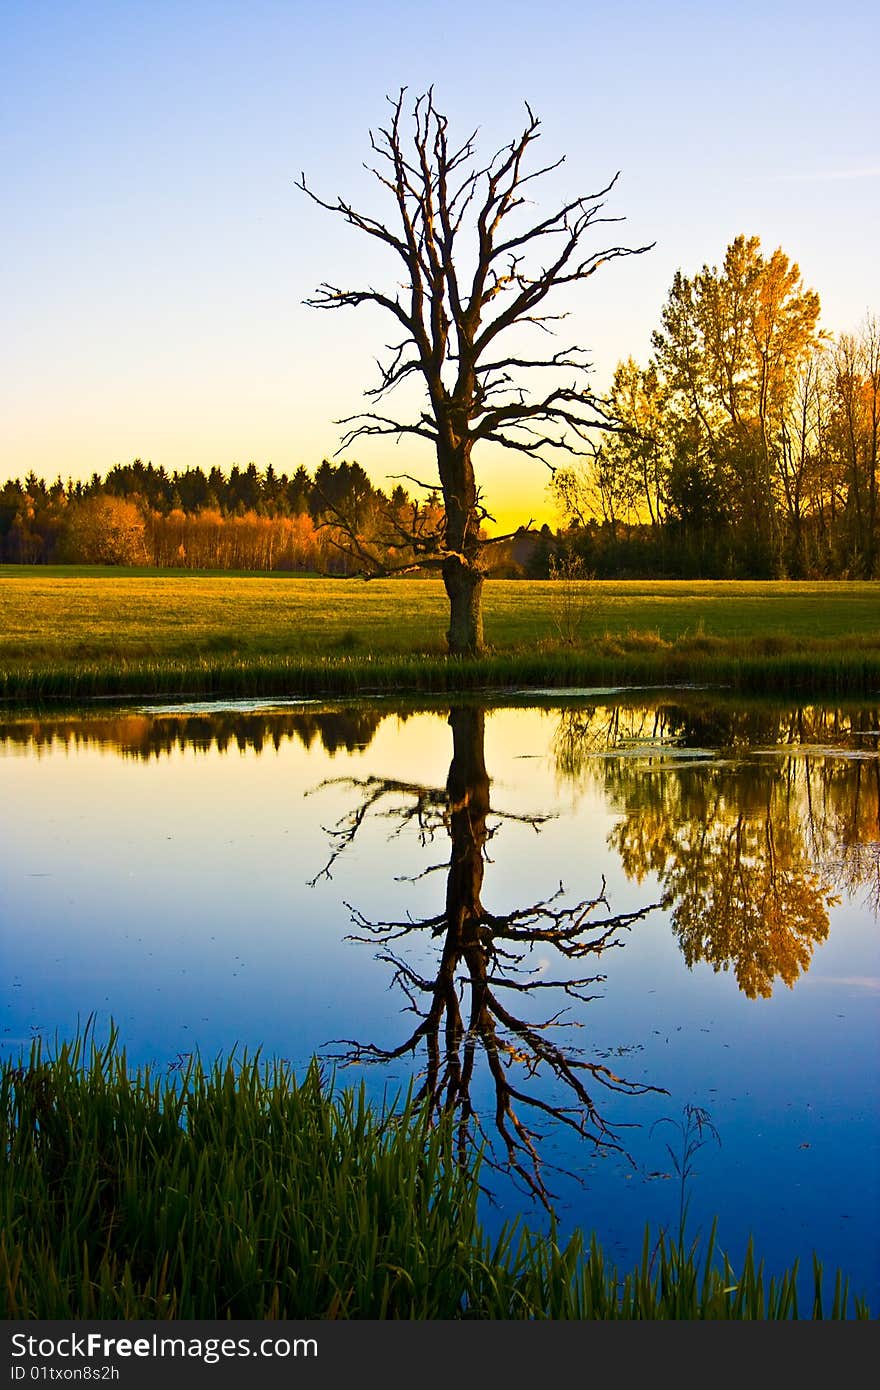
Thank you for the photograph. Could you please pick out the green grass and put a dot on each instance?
(239, 1191)
(82, 632)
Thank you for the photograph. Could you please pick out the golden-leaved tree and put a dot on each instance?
(704, 425)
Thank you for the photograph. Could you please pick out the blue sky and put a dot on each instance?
(157, 251)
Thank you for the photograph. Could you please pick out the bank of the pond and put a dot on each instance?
(754, 668)
(238, 1190)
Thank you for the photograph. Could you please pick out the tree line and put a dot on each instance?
(248, 518)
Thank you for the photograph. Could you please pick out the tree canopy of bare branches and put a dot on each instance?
(477, 269)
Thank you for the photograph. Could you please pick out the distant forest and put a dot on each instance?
(747, 447)
(246, 519)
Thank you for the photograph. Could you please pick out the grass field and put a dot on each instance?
(70, 632)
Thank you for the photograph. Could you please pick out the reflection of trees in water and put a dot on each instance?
(750, 847)
(701, 724)
(742, 891)
(477, 1000)
(147, 736)
(751, 850)
(843, 822)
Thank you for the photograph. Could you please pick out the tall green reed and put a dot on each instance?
(240, 1190)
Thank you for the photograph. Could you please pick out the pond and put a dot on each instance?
(572, 916)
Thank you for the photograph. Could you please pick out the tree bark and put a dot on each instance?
(464, 586)
(462, 572)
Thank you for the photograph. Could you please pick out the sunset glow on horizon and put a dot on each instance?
(159, 251)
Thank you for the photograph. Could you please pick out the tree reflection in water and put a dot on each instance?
(476, 1002)
(751, 851)
(754, 819)
(153, 734)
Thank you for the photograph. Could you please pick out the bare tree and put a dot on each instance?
(469, 285)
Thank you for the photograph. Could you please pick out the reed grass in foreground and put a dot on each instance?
(239, 1191)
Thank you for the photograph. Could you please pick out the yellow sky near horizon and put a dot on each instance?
(159, 254)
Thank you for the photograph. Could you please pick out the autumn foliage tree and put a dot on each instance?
(704, 426)
(105, 530)
(475, 271)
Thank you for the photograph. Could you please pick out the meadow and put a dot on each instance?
(78, 632)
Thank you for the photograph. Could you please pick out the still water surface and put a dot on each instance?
(570, 918)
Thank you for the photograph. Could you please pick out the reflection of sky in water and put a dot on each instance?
(171, 893)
